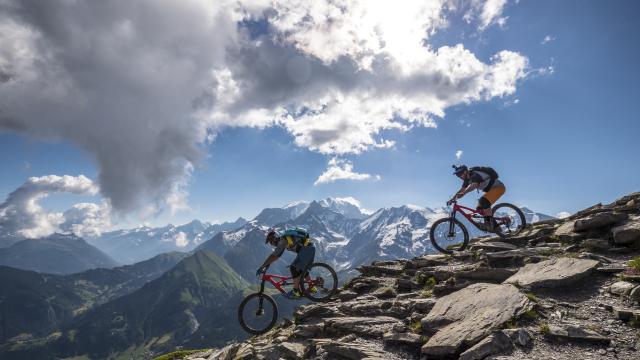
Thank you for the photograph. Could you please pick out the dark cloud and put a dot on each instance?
(118, 78)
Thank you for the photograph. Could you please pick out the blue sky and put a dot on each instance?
(564, 140)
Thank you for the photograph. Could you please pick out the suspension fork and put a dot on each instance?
(452, 223)
(260, 298)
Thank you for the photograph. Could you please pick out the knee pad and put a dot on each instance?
(483, 203)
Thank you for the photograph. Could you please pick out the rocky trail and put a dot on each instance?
(563, 289)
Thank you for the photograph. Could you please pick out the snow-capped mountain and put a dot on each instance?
(392, 233)
(345, 235)
(128, 246)
(347, 206)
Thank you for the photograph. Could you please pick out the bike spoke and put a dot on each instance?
(448, 235)
(320, 282)
(257, 313)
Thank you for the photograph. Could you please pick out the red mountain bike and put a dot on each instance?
(449, 234)
(258, 312)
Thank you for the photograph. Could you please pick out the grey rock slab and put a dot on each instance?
(353, 351)
(566, 233)
(493, 246)
(404, 338)
(443, 272)
(364, 326)
(315, 311)
(611, 269)
(427, 260)
(622, 288)
(486, 274)
(596, 244)
(600, 220)
(465, 317)
(512, 258)
(575, 333)
(385, 293)
(554, 272)
(346, 295)
(307, 331)
(423, 305)
(520, 336)
(627, 233)
(376, 308)
(290, 350)
(495, 344)
(372, 270)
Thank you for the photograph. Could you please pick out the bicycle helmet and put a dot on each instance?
(458, 170)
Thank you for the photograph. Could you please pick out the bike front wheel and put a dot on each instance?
(509, 218)
(449, 235)
(257, 313)
(319, 282)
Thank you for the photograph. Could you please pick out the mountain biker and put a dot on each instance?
(485, 179)
(296, 240)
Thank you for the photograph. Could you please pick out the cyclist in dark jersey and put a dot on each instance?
(296, 240)
(474, 178)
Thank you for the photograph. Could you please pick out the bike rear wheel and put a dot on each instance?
(449, 235)
(509, 218)
(257, 313)
(319, 282)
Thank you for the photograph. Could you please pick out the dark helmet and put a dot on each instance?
(271, 236)
(458, 170)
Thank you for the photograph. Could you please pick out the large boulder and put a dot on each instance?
(600, 220)
(514, 258)
(462, 319)
(554, 272)
(566, 233)
(627, 233)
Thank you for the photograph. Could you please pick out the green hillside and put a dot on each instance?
(162, 314)
(34, 307)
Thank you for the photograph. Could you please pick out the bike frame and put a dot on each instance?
(469, 213)
(278, 281)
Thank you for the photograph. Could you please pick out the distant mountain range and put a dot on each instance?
(346, 236)
(129, 246)
(55, 254)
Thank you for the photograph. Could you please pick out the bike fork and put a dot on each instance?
(259, 311)
(452, 224)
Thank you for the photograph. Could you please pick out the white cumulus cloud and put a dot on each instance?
(459, 154)
(145, 84)
(563, 214)
(340, 169)
(22, 215)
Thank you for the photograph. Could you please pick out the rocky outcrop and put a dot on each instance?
(552, 273)
(628, 233)
(467, 316)
(560, 289)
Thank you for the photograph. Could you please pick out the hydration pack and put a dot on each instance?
(493, 175)
(296, 237)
